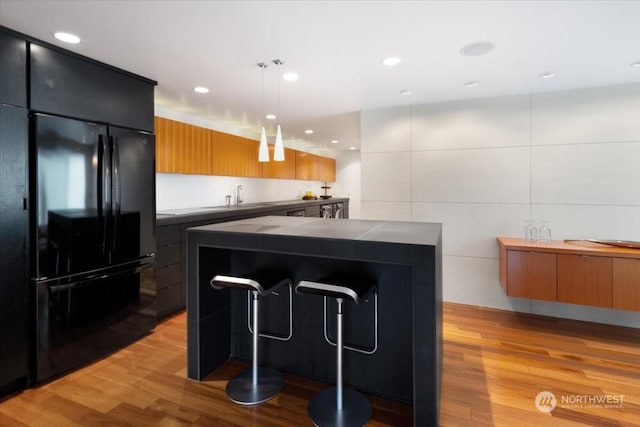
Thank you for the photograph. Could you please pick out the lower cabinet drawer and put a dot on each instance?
(169, 300)
(167, 276)
(169, 254)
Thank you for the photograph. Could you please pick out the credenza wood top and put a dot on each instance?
(574, 247)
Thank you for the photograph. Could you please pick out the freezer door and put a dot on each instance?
(72, 188)
(79, 321)
(134, 195)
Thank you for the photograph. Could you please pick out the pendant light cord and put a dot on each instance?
(263, 66)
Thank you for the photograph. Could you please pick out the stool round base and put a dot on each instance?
(240, 389)
(356, 409)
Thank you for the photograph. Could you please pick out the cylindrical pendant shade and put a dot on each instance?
(278, 154)
(263, 151)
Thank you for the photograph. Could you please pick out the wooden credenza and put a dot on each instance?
(574, 272)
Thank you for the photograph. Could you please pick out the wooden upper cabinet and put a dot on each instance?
(235, 156)
(251, 166)
(306, 166)
(188, 149)
(585, 280)
(626, 284)
(162, 145)
(182, 148)
(326, 169)
(280, 170)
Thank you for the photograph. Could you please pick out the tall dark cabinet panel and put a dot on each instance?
(13, 61)
(14, 218)
(68, 86)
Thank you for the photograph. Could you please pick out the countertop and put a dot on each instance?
(579, 247)
(181, 216)
(413, 233)
(379, 241)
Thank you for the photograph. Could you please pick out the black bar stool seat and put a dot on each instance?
(258, 384)
(338, 406)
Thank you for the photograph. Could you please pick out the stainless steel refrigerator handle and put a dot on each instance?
(116, 204)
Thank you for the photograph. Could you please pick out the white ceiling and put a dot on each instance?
(336, 48)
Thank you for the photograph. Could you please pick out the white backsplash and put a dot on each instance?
(178, 191)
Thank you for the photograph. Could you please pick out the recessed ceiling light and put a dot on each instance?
(270, 116)
(352, 148)
(308, 131)
(391, 61)
(405, 91)
(471, 83)
(547, 75)
(290, 77)
(476, 49)
(636, 63)
(201, 89)
(67, 37)
(334, 141)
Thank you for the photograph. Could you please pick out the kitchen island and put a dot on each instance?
(402, 361)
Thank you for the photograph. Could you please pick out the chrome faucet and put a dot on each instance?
(239, 198)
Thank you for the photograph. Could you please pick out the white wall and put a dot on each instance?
(176, 191)
(482, 167)
(348, 180)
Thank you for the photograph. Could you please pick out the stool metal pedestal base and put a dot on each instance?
(240, 389)
(356, 409)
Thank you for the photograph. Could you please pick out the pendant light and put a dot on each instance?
(263, 150)
(278, 153)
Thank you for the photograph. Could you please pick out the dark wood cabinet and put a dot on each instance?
(68, 85)
(13, 248)
(13, 66)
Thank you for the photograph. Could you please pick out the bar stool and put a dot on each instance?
(338, 406)
(255, 385)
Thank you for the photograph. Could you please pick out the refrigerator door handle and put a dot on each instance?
(53, 289)
(117, 193)
(104, 191)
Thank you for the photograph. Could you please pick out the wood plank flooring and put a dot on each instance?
(495, 363)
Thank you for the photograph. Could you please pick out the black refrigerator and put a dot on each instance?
(93, 235)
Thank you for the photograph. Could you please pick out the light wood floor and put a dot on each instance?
(495, 363)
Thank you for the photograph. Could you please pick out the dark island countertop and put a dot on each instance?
(215, 213)
(381, 240)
